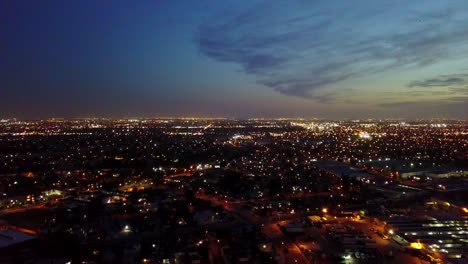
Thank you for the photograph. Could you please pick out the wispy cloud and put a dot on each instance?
(441, 81)
(325, 98)
(301, 48)
(425, 93)
(459, 90)
(451, 100)
(454, 106)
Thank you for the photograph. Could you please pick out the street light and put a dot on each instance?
(324, 210)
(126, 229)
(416, 245)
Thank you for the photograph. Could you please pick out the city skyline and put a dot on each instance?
(224, 132)
(365, 59)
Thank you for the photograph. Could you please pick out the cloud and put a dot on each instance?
(424, 93)
(450, 107)
(325, 98)
(457, 99)
(459, 90)
(303, 48)
(442, 81)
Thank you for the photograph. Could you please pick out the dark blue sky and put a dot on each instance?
(337, 59)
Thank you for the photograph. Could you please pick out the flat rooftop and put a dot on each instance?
(9, 237)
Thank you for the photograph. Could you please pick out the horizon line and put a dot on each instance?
(233, 118)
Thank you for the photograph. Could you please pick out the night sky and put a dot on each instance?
(327, 59)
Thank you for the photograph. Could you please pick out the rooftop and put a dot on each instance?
(9, 237)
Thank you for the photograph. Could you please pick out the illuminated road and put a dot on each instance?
(214, 251)
(294, 255)
(22, 209)
(269, 228)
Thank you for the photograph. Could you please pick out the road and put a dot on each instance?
(281, 242)
(269, 228)
(214, 248)
(22, 209)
